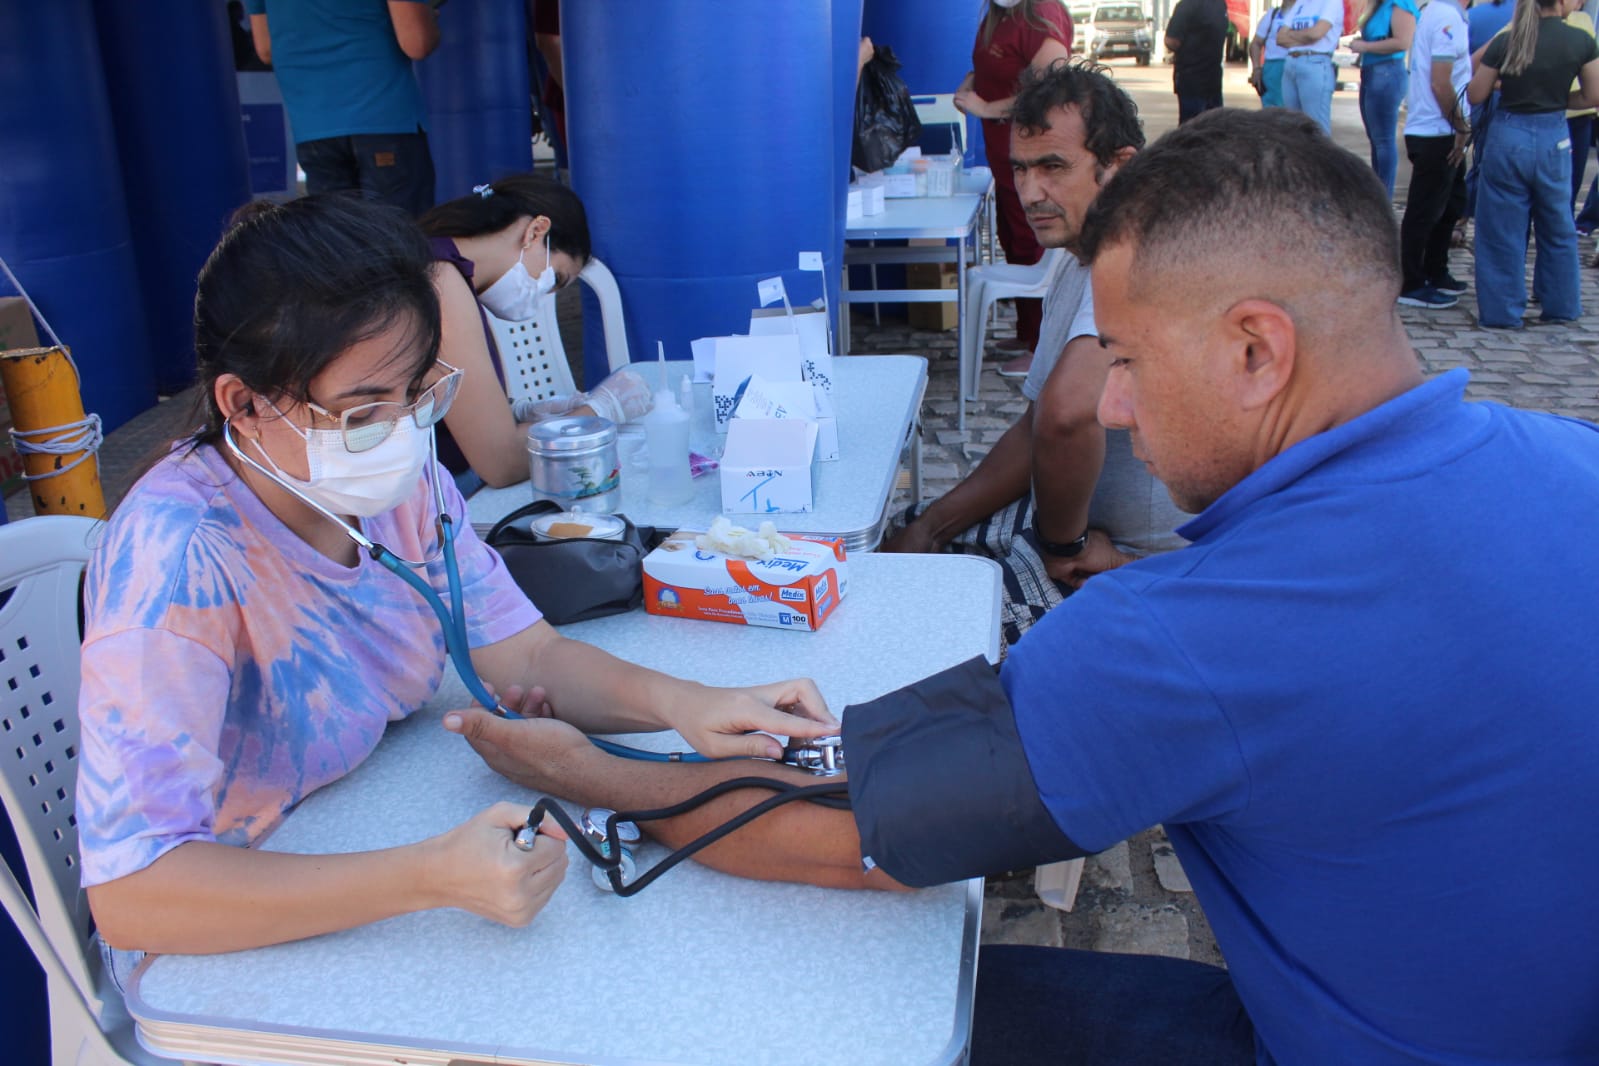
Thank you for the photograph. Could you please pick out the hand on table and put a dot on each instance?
(479, 868)
(535, 753)
(728, 723)
(1098, 556)
(913, 538)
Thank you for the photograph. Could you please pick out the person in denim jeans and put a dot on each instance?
(1526, 171)
(1385, 33)
(1312, 32)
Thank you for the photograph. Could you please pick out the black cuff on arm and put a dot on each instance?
(939, 783)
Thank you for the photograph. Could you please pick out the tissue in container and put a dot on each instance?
(795, 590)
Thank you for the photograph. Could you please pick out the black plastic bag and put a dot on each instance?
(885, 119)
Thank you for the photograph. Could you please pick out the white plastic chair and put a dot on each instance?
(41, 560)
(986, 285)
(939, 110)
(531, 352)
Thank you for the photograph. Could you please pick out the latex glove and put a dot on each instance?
(539, 410)
(621, 397)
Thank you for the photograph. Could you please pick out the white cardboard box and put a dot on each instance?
(797, 589)
(793, 399)
(776, 358)
(766, 466)
(856, 205)
(811, 326)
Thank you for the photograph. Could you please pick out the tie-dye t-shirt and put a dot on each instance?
(229, 669)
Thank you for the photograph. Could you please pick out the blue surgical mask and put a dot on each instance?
(515, 297)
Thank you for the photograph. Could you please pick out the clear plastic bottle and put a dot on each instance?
(666, 431)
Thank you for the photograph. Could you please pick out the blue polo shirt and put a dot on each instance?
(340, 68)
(1485, 20)
(1365, 704)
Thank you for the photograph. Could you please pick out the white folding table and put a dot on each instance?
(877, 400)
(699, 968)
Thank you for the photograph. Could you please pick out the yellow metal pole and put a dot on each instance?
(42, 385)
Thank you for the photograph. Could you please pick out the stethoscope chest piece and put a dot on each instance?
(627, 833)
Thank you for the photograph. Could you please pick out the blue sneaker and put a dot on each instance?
(1449, 285)
(1428, 297)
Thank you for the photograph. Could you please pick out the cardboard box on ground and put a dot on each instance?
(930, 316)
(16, 331)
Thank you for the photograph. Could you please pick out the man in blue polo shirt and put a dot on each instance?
(1361, 700)
(344, 67)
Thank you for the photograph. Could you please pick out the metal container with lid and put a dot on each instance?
(573, 462)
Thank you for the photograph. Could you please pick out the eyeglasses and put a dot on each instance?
(368, 425)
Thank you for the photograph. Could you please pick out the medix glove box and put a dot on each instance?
(796, 589)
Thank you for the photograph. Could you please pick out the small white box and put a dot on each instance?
(857, 204)
(900, 186)
(775, 357)
(805, 400)
(766, 466)
(872, 200)
(810, 325)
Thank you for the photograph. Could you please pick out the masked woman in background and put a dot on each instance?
(506, 247)
(241, 651)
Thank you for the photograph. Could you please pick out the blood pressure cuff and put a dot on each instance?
(940, 786)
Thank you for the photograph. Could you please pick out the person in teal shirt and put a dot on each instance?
(344, 67)
(1386, 29)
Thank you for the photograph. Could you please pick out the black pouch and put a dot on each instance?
(575, 579)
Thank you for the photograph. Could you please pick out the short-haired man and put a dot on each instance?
(1370, 674)
(1056, 499)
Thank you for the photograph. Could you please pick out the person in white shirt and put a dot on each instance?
(1310, 33)
(1267, 57)
(1437, 127)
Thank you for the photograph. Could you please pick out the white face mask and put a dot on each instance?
(515, 297)
(1006, 3)
(358, 483)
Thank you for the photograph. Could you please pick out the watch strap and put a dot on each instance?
(1059, 549)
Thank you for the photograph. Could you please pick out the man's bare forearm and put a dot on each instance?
(1001, 479)
(800, 841)
(1068, 441)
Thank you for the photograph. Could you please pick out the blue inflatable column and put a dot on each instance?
(933, 40)
(846, 51)
(63, 217)
(475, 86)
(181, 144)
(702, 143)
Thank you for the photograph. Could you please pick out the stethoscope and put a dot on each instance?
(822, 756)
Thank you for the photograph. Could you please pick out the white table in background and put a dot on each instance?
(699, 968)
(942, 218)
(876, 399)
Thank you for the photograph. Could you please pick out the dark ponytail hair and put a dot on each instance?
(518, 196)
(290, 287)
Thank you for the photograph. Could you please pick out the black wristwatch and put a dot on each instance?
(1059, 549)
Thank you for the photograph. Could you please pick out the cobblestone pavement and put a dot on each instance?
(1133, 897)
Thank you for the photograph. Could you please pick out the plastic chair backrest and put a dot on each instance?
(598, 277)
(940, 110)
(41, 561)
(532, 356)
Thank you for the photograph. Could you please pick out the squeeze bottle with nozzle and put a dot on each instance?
(666, 436)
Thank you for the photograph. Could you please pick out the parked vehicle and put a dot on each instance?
(1118, 29)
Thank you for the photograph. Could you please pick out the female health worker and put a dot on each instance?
(242, 652)
(503, 248)
(1526, 163)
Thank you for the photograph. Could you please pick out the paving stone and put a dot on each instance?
(1111, 869)
(1142, 929)
(1168, 869)
(952, 436)
(1020, 921)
